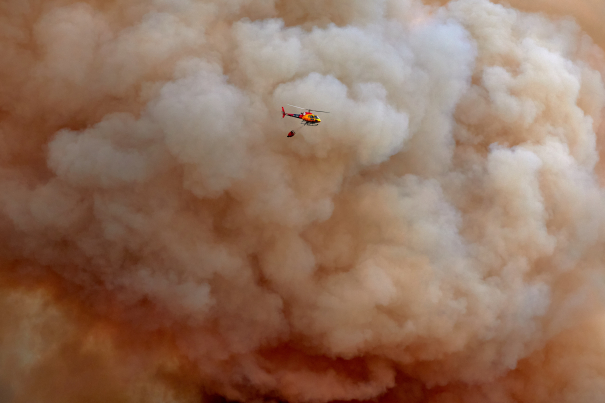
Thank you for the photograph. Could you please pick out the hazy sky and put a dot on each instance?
(438, 238)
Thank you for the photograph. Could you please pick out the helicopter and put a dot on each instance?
(308, 117)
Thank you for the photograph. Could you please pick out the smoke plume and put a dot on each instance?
(439, 237)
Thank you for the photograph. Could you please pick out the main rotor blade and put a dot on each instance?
(307, 109)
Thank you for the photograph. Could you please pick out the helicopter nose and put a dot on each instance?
(318, 119)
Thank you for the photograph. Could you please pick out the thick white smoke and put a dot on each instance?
(437, 238)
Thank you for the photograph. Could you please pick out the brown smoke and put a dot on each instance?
(439, 237)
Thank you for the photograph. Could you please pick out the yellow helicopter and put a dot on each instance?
(308, 118)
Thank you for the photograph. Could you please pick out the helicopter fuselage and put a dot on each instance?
(307, 117)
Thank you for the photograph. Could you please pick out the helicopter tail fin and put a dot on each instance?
(283, 112)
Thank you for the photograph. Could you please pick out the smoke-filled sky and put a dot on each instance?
(438, 238)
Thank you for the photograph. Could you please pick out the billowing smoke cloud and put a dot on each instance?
(439, 237)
